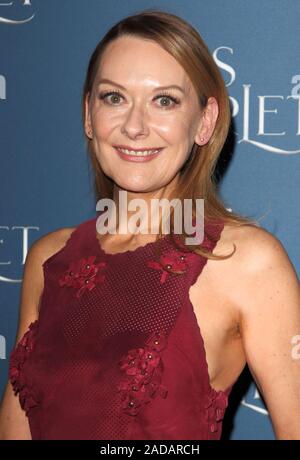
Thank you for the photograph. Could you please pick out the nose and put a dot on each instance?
(135, 123)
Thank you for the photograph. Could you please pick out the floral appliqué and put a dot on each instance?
(215, 406)
(143, 371)
(171, 262)
(83, 275)
(27, 395)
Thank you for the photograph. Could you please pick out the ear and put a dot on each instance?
(207, 122)
(87, 121)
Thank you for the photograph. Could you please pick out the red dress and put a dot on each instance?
(116, 352)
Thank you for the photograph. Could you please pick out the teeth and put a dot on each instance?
(138, 153)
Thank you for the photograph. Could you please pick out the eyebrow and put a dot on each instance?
(106, 80)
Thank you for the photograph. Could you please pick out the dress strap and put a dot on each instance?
(212, 234)
(79, 232)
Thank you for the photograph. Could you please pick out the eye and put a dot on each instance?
(116, 95)
(168, 97)
(105, 94)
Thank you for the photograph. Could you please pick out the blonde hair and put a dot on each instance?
(197, 178)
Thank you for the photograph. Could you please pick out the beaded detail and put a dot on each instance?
(143, 369)
(83, 275)
(171, 262)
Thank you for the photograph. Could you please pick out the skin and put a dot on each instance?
(248, 306)
(136, 119)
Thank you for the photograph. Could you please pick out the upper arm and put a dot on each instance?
(13, 421)
(270, 324)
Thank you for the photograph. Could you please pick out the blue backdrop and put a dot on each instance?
(46, 182)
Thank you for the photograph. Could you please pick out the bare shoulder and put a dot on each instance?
(259, 264)
(262, 283)
(49, 244)
(33, 275)
(256, 247)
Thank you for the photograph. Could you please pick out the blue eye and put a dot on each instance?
(116, 94)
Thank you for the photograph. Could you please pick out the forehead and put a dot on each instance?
(134, 60)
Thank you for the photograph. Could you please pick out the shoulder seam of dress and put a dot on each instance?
(71, 238)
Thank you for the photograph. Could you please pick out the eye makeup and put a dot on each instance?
(103, 95)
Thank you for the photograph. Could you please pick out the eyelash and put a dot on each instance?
(175, 100)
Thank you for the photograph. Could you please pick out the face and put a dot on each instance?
(132, 111)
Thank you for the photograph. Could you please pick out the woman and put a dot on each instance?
(130, 336)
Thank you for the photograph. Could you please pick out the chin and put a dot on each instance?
(136, 188)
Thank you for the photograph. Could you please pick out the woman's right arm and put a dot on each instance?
(14, 423)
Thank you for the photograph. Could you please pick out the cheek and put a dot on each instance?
(104, 123)
(173, 129)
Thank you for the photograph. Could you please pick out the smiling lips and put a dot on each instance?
(141, 149)
(138, 155)
(142, 152)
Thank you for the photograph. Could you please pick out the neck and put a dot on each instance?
(141, 213)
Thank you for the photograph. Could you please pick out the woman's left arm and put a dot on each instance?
(270, 329)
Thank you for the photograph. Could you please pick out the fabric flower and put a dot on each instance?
(215, 406)
(157, 341)
(28, 398)
(83, 275)
(142, 368)
(27, 395)
(174, 262)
